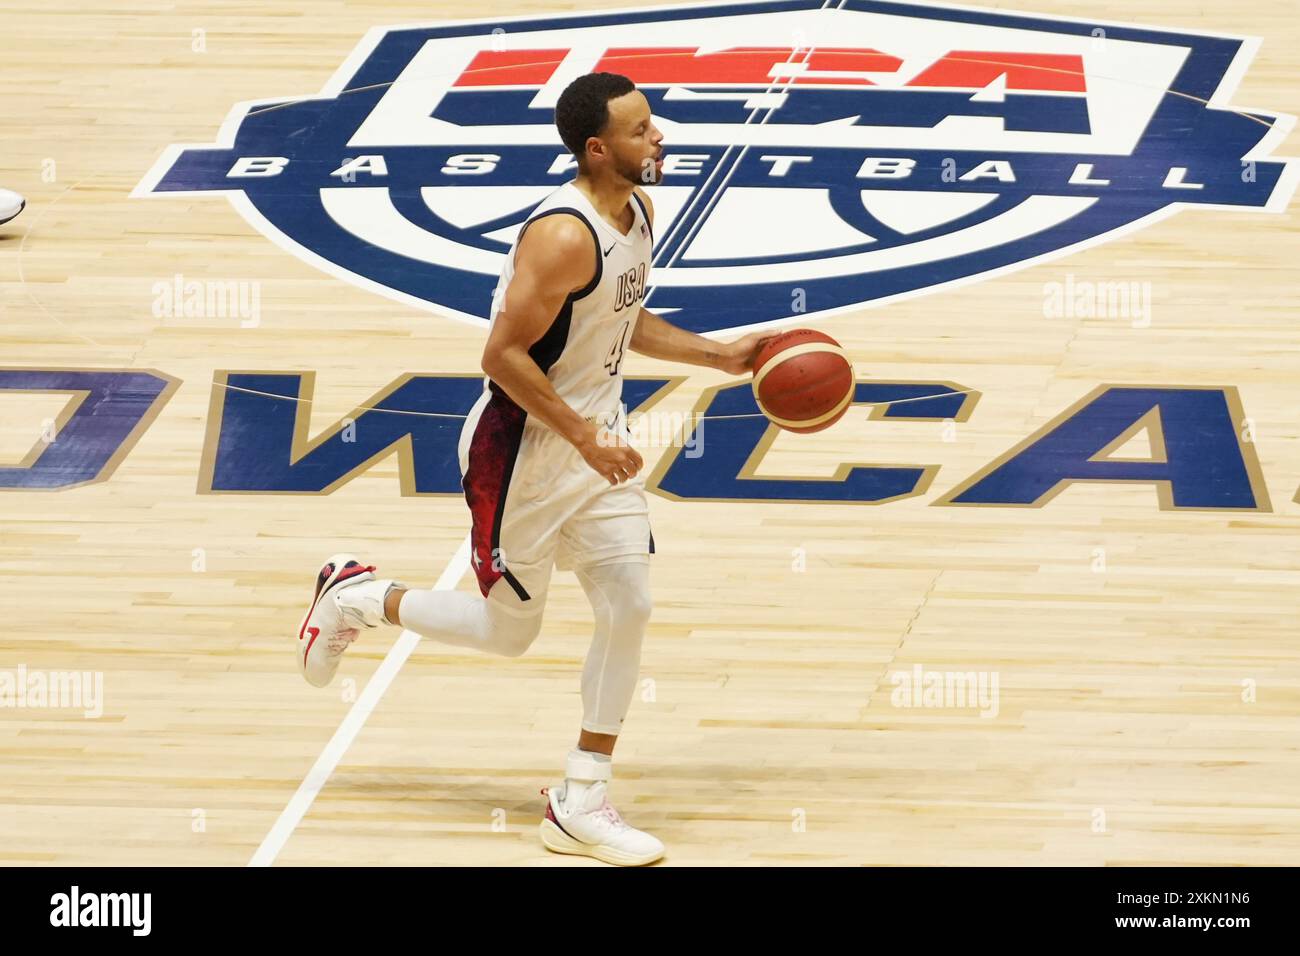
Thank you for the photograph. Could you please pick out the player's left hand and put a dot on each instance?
(738, 356)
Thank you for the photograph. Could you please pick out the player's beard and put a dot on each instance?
(643, 173)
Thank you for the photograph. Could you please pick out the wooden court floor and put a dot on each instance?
(1147, 659)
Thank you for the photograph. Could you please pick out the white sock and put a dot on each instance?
(363, 604)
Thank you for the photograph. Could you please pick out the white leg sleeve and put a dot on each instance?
(467, 620)
(620, 600)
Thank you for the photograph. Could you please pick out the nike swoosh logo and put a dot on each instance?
(315, 633)
(610, 249)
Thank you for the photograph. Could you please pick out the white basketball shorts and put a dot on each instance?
(536, 504)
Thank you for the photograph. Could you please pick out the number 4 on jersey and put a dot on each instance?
(615, 357)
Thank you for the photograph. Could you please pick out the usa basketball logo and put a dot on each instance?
(820, 156)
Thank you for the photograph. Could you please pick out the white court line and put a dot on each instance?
(329, 758)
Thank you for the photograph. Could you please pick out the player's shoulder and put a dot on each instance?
(645, 198)
(558, 232)
(560, 248)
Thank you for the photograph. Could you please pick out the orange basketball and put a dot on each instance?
(803, 381)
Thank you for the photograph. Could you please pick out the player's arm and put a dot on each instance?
(556, 256)
(657, 338)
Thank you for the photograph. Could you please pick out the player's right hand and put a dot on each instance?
(615, 460)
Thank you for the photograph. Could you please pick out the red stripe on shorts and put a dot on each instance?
(493, 450)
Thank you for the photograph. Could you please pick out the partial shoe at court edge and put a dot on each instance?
(11, 204)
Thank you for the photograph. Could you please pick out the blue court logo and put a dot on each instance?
(821, 156)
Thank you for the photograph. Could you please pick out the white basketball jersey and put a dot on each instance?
(583, 351)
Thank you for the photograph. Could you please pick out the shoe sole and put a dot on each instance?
(15, 215)
(557, 841)
(341, 572)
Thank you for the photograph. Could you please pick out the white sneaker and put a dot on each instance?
(328, 627)
(11, 204)
(592, 827)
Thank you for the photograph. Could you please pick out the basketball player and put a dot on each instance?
(548, 471)
(11, 204)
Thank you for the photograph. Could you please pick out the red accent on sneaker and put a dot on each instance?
(343, 576)
(351, 573)
(546, 792)
(315, 633)
(550, 814)
(321, 578)
(325, 574)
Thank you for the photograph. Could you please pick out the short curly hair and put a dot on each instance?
(583, 108)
